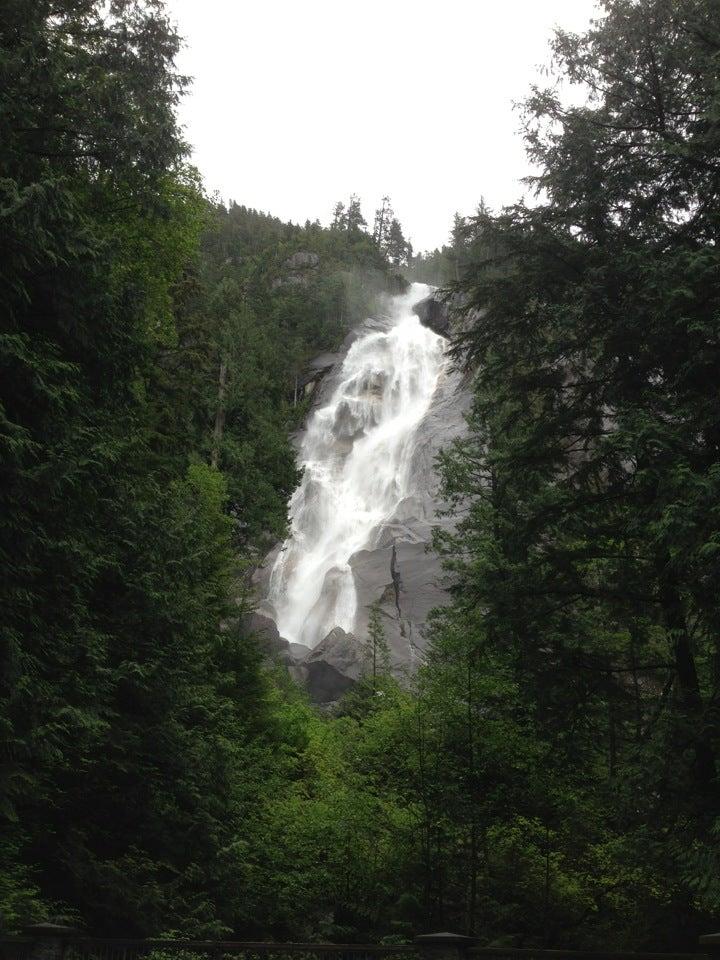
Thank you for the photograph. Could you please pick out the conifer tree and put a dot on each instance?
(377, 653)
(354, 220)
(397, 247)
(381, 227)
(583, 552)
(339, 220)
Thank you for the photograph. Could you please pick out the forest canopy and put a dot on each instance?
(550, 775)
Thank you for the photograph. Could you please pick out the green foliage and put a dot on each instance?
(125, 711)
(264, 298)
(583, 552)
(376, 654)
(444, 265)
(551, 778)
(20, 898)
(150, 349)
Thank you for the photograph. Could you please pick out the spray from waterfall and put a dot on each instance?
(356, 454)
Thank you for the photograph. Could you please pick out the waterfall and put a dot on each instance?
(356, 454)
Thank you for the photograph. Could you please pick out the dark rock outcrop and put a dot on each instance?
(332, 668)
(447, 313)
(265, 629)
(324, 683)
(433, 313)
(262, 626)
(316, 370)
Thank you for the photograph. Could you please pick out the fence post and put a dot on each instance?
(443, 946)
(711, 944)
(49, 940)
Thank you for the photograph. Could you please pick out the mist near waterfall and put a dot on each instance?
(356, 454)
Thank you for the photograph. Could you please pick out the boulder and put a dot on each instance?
(433, 313)
(324, 682)
(447, 313)
(332, 668)
(316, 370)
(298, 651)
(264, 629)
(341, 650)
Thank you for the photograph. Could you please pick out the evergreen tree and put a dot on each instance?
(381, 227)
(354, 220)
(397, 247)
(377, 653)
(119, 695)
(583, 553)
(339, 221)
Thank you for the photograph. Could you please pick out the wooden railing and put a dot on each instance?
(529, 953)
(51, 942)
(94, 949)
(50, 946)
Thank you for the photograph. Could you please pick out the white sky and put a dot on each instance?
(298, 103)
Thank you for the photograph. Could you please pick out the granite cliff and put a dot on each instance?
(384, 406)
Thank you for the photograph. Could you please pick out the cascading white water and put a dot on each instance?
(356, 454)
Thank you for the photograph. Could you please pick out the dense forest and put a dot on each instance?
(550, 776)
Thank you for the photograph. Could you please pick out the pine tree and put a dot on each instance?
(354, 220)
(339, 221)
(119, 693)
(377, 653)
(381, 227)
(583, 554)
(397, 247)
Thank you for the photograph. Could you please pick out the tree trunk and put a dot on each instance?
(472, 906)
(219, 415)
(688, 684)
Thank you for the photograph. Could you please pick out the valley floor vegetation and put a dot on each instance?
(550, 777)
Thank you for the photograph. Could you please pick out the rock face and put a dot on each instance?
(332, 668)
(298, 651)
(398, 569)
(302, 260)
(447, 313)
(265, 631)
(434, 313)
(317, 370)
(297, 270)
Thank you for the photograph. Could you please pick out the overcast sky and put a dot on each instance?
(295, 105)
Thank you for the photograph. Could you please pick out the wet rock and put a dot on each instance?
(407, 586)
(316, 371)
(447, 314)
(332, 668)
(340, 649)
(324, 682)
(298, 651)
(398, 569)
(264, 629)
(433, 313)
